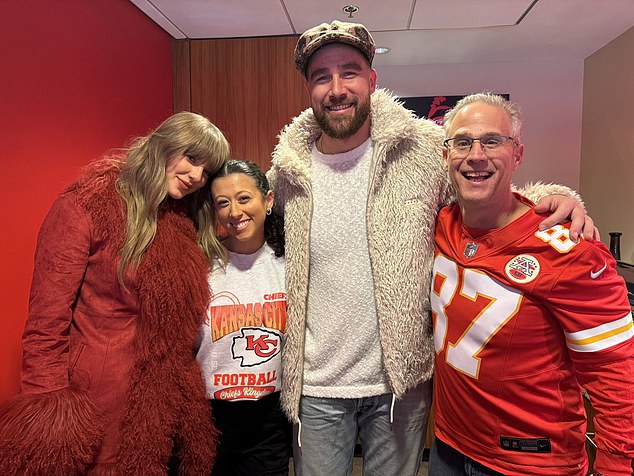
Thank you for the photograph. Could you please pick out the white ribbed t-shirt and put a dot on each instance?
(343, 356)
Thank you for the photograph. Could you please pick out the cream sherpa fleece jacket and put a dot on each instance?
(408, 186)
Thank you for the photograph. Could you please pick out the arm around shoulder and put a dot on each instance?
(561, 204)
(538, 190)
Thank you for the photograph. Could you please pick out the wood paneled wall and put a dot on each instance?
(249, 88)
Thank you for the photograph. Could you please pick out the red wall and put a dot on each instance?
(77, 78)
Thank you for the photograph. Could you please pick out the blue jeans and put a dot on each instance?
(330, 428)
(446, 461)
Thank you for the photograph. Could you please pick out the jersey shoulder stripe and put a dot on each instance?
(601, 337)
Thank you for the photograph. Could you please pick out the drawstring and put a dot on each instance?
(299, 433)
(392, 409)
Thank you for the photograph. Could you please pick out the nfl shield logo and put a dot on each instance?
(470, 250)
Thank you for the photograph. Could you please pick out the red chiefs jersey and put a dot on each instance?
(521, 319)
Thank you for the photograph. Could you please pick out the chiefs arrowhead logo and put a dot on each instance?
(254, 346)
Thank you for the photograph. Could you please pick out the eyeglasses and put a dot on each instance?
(461, 146)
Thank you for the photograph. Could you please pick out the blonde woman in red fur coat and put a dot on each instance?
(109, 381)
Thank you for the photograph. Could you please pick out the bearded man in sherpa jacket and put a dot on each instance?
(361, 180)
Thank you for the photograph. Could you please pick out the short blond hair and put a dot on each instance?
(512, 110)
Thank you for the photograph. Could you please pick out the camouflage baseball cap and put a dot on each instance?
(354, 34)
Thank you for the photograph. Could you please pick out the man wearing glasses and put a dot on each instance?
(522, 320)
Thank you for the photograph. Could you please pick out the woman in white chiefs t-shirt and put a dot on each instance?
(242, 338)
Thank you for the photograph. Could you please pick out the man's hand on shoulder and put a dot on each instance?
(563, 208)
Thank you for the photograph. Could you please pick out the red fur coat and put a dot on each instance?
(110, 384)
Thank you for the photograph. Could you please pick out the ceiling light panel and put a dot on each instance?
(376, 15)
(235, 18)
(467, 13)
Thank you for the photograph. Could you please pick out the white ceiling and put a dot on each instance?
(416, 31)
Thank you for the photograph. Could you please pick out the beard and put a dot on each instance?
(342, 127)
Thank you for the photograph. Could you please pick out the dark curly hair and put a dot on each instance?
(274, 223)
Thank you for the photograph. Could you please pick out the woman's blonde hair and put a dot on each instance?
(143, 185)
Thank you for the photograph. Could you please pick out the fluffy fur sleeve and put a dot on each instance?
(536, 191)
(54, 433)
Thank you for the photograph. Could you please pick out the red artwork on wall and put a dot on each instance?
(433, 107)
